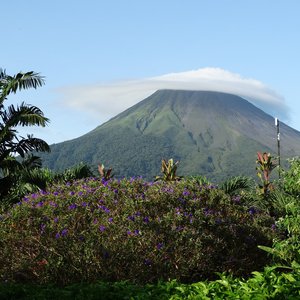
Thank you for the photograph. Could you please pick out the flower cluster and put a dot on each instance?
(132, 229)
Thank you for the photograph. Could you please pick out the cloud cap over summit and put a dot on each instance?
(106, 100)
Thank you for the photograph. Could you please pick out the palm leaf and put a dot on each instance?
(23, 115)
(31, 144)
(21, 81)
(234, 184)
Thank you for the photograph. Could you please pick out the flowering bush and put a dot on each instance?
(132, 230)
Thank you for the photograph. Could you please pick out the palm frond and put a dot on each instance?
(23, 115)
(31, 162)
(29, 144)
(9, 165)
(21, 81)
(234, 184)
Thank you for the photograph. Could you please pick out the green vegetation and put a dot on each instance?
(184, 239)
(168, 168)
(14, 172)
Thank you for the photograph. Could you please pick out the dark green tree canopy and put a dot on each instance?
(11, 143)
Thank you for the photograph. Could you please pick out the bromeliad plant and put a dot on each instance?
(264, 169)
(168, 168)
(105, 174)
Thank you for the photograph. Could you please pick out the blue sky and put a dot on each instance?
(100, 57)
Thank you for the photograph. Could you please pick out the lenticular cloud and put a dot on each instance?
(106, 100)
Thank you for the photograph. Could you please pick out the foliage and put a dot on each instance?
(286, 250)
(169, 169)
(24, 179)
(105, 174)
(236, 184)
(264, 169)
(291, 178)
(10, 118)
(78, 171)
(132, 230)
(269, 284)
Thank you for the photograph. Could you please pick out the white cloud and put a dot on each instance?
(104, 101)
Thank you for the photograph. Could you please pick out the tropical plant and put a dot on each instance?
(168, 168)
(11, 144)
(78, 171)
(235, 184)
(106, 174)
(291, 178)
(25, 177)
(264, 169)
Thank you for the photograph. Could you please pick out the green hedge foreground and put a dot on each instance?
(131, 230)
(268, 284)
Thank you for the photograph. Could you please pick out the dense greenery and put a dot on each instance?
(13, 171)
(131, 230)
(83, 231)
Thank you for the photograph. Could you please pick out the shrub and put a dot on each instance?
(130, 230)
(291, 178)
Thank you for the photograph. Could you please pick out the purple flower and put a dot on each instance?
(72, 206)
(102, 228)
(159, 246)
(104, 182)
(146, 220)
(72, 193)
(147, 262)
(136, 232)
(40, 204)
(105, 209)
(57, 236)
(179, 228)
(236, 199)
(132, 218)
(208, 211)
(110, 220)
(252, 210)
(64, 232)
(55, 220)
(43, 227)
(186, 193)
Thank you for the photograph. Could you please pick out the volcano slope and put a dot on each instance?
(212, 134)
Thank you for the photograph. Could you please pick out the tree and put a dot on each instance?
(11, 143)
